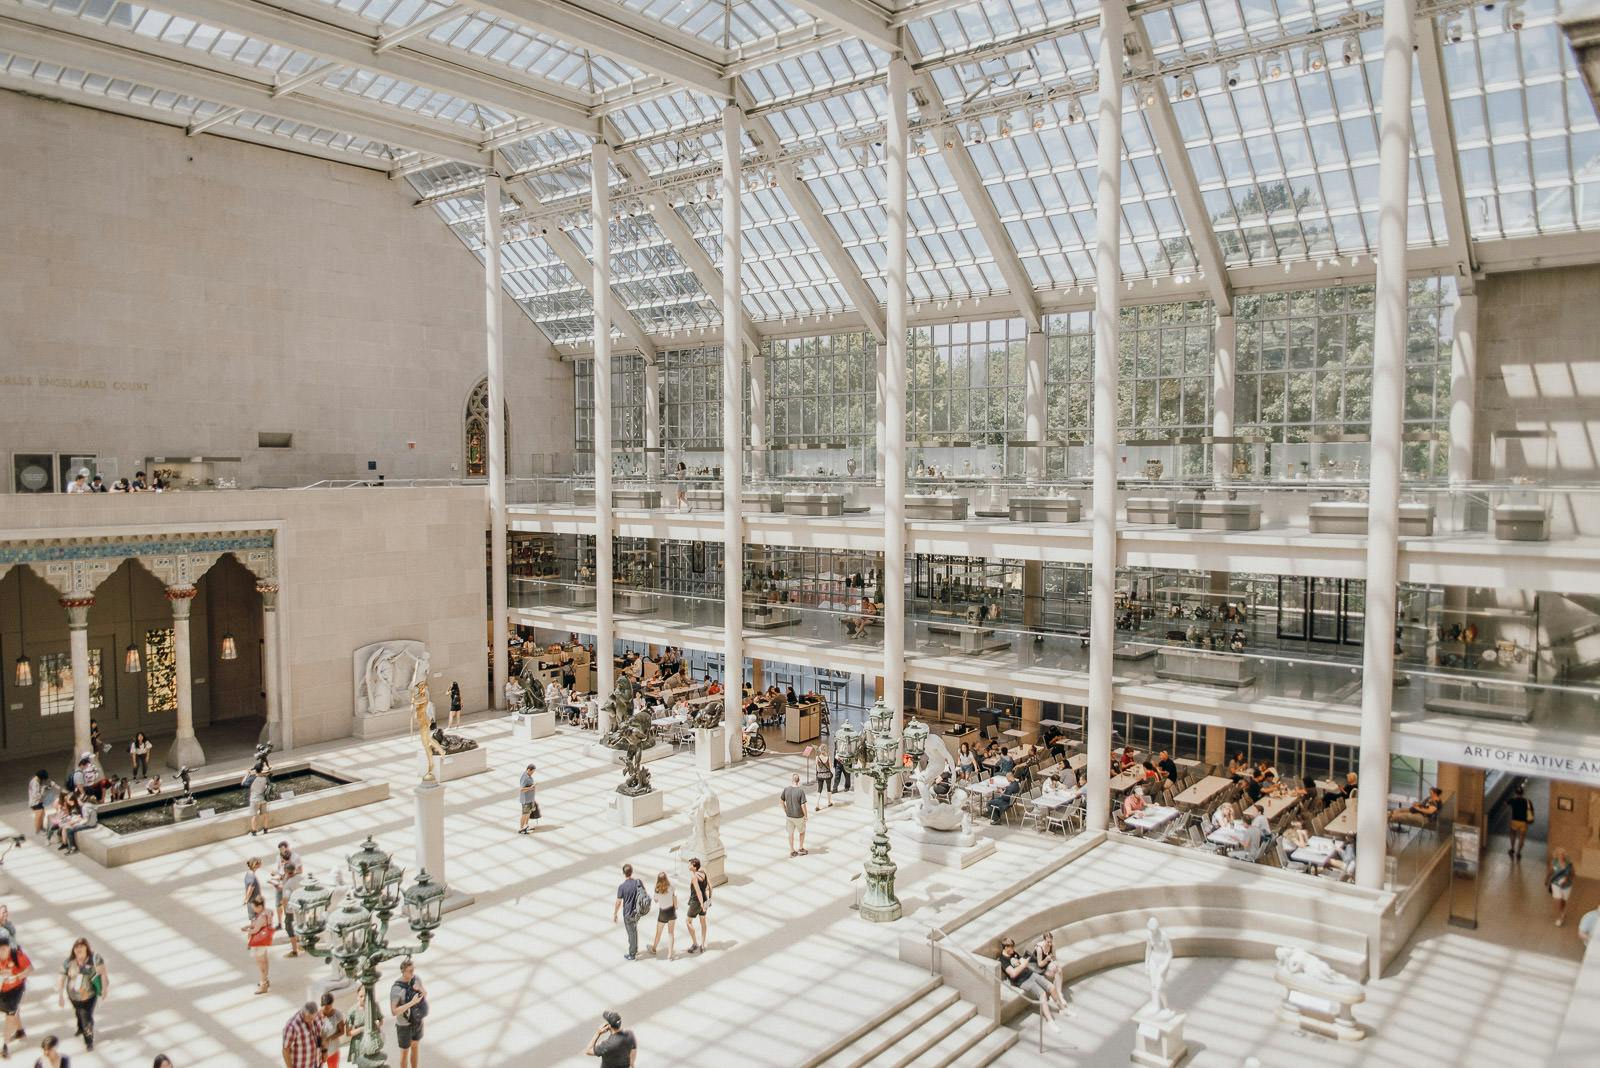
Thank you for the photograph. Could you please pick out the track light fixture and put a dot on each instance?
(1230, 73)
(1352, 49)
(1515, 16)
(1273, 65)
(1187, 87)
(1315, 58)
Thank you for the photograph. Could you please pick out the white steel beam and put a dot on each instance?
(815, 224)
(388, 40)
(644, 49)
(857, 18)
(315, 73)
(562, 245)
(350, 48)
(1446, 165)
(194, 129)
(61, 46)
(1185, 187)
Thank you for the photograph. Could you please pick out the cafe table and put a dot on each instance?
(1152, 818)
(1201, 793)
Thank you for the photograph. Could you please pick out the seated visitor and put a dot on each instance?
(751, 724)
(1254, 786)
(855, 626)
(1418, 813)
(1167, 764)
(1021, 974)
(1238, 767)
(1348, 790)
(1055, 740)
(1133, 802)
(1223, 815)
(1004, 799)
(1125, 761)
(1296, 837)
(789, 696)
(713, 687)
(1004, 763)
(943, 787)
(1260, 827)
(1151, 772)
(1044, 959)
(1266, 769)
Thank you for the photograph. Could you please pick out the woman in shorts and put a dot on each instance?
(38, 791)
(1559, 882)
(699, 902)
(666, 901)
(258, 936)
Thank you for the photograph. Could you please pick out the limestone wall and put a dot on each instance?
(163, 295)
(356, 566)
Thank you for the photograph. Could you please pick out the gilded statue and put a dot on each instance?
(422, 709)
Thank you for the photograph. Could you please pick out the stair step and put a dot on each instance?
(944, 1052)
(910, 1048)
(884, 1036)
(987, 1049)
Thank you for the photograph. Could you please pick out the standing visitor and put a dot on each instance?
(39, 788)
(301, 1048)
(824, 768)
(408, 1003)
(793, 800)
(83, 982)
(252, 889)
(841, 774)
(455, 706)
(632, 902)
(1559, 882)
(615, 1047)
(699, 902)
(680, 482)
(666, 901)
(331, 1029)
(285, 879)
(527, 796)
(15, 967)
(97, 743)
(7, 928)
(256, 781)
(258, 939)
(1522, 816)
(50, 1055)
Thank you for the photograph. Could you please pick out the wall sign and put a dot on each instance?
(1569, 766)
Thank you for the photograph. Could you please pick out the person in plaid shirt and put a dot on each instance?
(302, 1046)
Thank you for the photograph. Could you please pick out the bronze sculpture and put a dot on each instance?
(634, 734)
(707, 716)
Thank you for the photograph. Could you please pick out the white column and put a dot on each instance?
(881, 350)
(1463, 387)
(492, 298)
(269, 670)
(1223, 362)
(185, 751)
(758, 414)
(732, 430)
(78, 645)
(1034, 407)
(652, 418)
(600, 208)
(1108, 276)
(1388, 391)
(894, 402)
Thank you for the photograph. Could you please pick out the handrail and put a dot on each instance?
(377, 483)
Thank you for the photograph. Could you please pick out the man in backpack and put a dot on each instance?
(633, 901)
(408, 1004)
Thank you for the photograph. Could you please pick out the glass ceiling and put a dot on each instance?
(1274, 102)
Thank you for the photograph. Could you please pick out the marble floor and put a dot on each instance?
(521, 976)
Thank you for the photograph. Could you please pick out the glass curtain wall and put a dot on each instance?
(627, 416)
(822, 405)
(964, 396)
(691, 409)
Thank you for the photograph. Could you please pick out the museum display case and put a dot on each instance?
(1519, 505)
(1492, 655)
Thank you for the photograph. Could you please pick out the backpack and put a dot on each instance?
(641, 902)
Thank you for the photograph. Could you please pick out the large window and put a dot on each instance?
(691, 406)
(627, 415)
(55, 684)
(965, 381)
(823, 391)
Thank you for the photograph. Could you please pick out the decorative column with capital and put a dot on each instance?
(273, 730)
(78, 638)
(185, 751)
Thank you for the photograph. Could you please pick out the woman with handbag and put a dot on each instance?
(455, 706)
(84, 982)
(258, 936)
(1559, 882)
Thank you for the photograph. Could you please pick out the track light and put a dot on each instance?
(1315, 58)
(1273, 64)
(1452, 31)
(1187, 89)
(1074, 110)
(1230, 73)
(1147, 94)
(1352, 49)
(1514, 16)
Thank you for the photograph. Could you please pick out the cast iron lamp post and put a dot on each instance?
(876, 753)
(360, 930)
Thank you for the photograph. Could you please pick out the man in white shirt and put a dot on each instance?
(80, 484)
(285, 878)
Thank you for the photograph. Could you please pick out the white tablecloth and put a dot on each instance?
(1316, 852)
(1152, 818)
(1232, 836)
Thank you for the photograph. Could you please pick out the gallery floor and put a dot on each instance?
(522, 976)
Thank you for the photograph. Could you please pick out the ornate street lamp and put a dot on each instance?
(877, 754)
(357, 932)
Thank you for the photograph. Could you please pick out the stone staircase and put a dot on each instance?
(933, 1028)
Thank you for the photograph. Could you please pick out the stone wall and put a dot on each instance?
(356, 566)
(164, 295)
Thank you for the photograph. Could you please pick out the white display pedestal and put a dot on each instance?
(528, 727)
(948, 849)
(430, 842)
(636, 810)
(710, 748)
(458, 765)
(714, 867)
(383, 724)
(1158, 1040)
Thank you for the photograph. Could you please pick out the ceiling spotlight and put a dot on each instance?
(1074, 110)
(1147, 93)
(1315, 58)
(1273, 64)
(1514, 16)
(1187, 89)
(1036, 117)
(1352, 49)
(949, 137)
(1230, 73)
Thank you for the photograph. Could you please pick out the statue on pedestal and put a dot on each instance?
(1157, 963)
(634, 734)
(707, 716)
(422, 709)
(619, 706)
(705, 825)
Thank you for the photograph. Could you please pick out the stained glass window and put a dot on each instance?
(160, 672)
(55, 684)
(476, 431)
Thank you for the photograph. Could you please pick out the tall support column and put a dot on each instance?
(1108, 276)
(1034, 408)
(652, 418)
(732, 430)
(78, 644)
(604, 639)
(495, 346)
(881, 389)
(1223, 364)
(185, 751)
(1388, 391)
(269, 647)
(1463, 387)
(894, 398)
(758, 413)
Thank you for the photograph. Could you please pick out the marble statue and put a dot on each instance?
(422, 709)
(707, 716)
(634, 734)
(1292, 960)
(705, 825)
(385, 674)
(1157, 963)
(935, 812)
